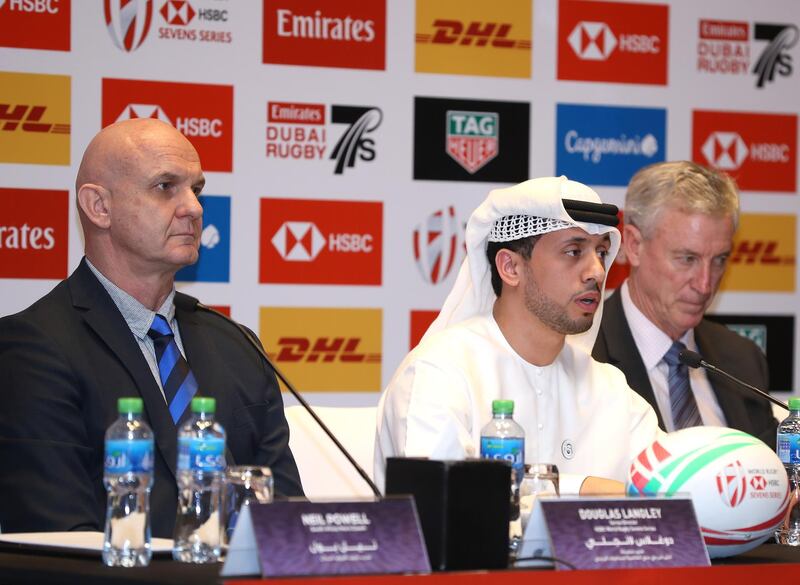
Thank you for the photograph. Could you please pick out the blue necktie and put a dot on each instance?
(176, 377)
(681, 397)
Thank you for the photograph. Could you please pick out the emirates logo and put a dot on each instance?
(592, 41)
(298, 241)
(725, 150)
(732, 484)
(128, 22)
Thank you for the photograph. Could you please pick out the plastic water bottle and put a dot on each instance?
(201, 465)
(502, 438)
(128, 478)
(789, 453)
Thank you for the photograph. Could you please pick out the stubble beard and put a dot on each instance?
(550, 313)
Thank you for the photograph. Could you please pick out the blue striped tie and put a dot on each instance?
(176, 377)
(681, 397)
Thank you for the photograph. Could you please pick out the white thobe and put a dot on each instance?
(576, 412)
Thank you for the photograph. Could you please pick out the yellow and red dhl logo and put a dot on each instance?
(34, 118)
(473, 37)
(325, 349)
(763, 254)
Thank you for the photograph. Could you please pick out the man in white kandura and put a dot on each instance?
(518, 325)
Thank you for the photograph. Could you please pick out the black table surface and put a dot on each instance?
(24, 565)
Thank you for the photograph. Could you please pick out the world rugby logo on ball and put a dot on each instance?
(737, 484)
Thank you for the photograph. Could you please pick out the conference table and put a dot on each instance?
(768, 563)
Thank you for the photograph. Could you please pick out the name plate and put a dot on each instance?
(603, 533)
(295, 538)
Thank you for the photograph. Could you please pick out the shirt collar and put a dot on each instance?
(651, 342)
(136, 315)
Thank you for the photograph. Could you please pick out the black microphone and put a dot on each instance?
(695, 360)
(190, 303)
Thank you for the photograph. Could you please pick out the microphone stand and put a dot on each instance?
(250, 336)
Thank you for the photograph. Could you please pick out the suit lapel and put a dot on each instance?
(103, 317)
(623, 353)
(727, 393)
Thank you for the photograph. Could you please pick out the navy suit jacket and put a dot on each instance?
(719, 346)
(66, 360)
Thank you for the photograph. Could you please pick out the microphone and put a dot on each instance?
(190, 303)
(695, 360)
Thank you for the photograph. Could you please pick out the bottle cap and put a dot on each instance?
(204, 404)
(130, 406)
(794, 404)
(502, 407)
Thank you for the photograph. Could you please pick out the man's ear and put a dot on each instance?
(632, 243)
(509, 266)
(95, 203)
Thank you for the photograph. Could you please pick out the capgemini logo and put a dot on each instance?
(128, 22)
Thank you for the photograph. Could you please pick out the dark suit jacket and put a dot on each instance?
(66, 360)
(719, 346)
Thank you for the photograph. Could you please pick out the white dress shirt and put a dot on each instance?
(653, 344)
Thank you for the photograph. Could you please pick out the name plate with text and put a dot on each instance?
(296, 538)
(603, 533)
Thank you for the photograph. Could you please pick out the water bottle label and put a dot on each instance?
(505, 449)
(201, 454)
(129, 456)
(789, 449)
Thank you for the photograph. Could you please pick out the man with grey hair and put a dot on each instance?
(680, 219)
(518, 325)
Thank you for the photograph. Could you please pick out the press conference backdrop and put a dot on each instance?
(345, 144)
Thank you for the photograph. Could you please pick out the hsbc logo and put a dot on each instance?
(342, 238)
(613, 41)
(595, 41)
(128, 22)
(34, 6)
(759, 149)
(727, 151)
(592, 41)
(303, 241)
(188, 126)
(298, 241)
(758, 482)
(177, 12)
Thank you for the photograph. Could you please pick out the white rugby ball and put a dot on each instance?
(737, 484)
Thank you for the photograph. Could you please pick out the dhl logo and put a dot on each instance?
(28, 118)
(759, 252)
(323, 349)
(481, 34)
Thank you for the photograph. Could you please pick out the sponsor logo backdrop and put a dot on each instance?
(346, 143)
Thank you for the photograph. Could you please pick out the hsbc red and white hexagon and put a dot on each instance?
(203, 113)
(758, 150)
(308, 241)
(613, 41)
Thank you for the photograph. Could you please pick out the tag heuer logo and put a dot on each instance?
(473, 138)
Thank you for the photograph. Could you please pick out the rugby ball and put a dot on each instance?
(737, 484)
